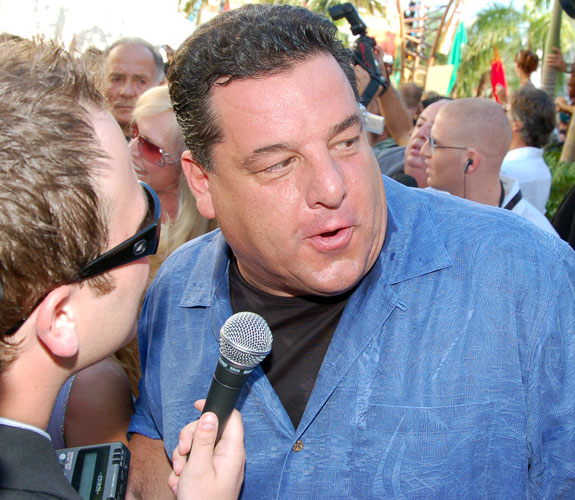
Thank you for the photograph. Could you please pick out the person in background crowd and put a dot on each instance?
(565, 106)
(411, 94)
(389, 104)
(555, 60)
(564, 219)
(69, 292)
(132, 67)
(424, 346)
(463, 154)
(526, 63)
(395, 162)
(156, 148)
(532, 116)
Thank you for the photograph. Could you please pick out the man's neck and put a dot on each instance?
(486, 192)
(169, 202)
(516, 142)
(28, 397)
(127, 130)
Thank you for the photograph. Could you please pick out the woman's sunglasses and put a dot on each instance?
(149, 151)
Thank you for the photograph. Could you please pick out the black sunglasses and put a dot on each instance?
(143, 243)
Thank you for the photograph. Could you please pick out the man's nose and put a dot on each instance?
(326, 182)
(426, 148)
(128, 89)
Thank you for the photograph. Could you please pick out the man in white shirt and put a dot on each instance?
(463, 154)
(532, 117)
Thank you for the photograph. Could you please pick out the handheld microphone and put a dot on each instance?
(245, 340)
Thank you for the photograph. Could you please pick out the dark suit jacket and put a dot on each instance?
(29, 468)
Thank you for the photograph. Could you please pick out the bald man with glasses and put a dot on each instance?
(463, 156)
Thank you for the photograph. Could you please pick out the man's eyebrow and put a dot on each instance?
(262, 152)
(350, 121)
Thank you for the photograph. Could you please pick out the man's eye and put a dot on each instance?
(347, 144)
(278, 167)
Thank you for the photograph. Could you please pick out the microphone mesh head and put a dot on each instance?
(245, 339)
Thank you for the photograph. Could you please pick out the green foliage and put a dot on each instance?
(374, 7)
(496, 26)
(563, 178)
(511, 31)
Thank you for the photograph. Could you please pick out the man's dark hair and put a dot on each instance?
(158, 60)
(536, 111)
(52, 220)
(249, 42)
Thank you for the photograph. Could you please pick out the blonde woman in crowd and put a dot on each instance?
(156, 148)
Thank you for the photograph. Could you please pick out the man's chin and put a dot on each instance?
(418, 173)
(123, 116)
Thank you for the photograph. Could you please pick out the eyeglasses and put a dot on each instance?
(434, 146)
(143, 243)
(149, 151)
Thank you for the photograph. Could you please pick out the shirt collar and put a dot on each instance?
(411, 248)
(21, 425)
(523, 153)
(510, 186)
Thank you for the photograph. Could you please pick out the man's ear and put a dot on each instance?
(516, 125)
(199, 184)
(473, 161)
(56, 323)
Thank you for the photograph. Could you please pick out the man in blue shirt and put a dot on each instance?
(423, 346)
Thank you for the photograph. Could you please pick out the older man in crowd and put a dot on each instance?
(132, 67)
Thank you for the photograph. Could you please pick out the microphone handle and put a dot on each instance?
(224, 391)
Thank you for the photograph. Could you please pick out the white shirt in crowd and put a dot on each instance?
(529, 168)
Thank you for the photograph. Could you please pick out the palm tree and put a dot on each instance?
(510, 31)
(495, 27)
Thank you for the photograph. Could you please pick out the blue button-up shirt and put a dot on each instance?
(451, 373)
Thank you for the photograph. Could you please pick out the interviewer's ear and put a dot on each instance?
(56, 323)
(199, 184)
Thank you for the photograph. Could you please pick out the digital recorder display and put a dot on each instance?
(97, 472)
(90, 474)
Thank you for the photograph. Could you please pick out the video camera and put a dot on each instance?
(363, 49)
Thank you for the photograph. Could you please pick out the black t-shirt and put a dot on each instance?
(302, 329)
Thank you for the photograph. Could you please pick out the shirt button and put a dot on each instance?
(298, 446)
